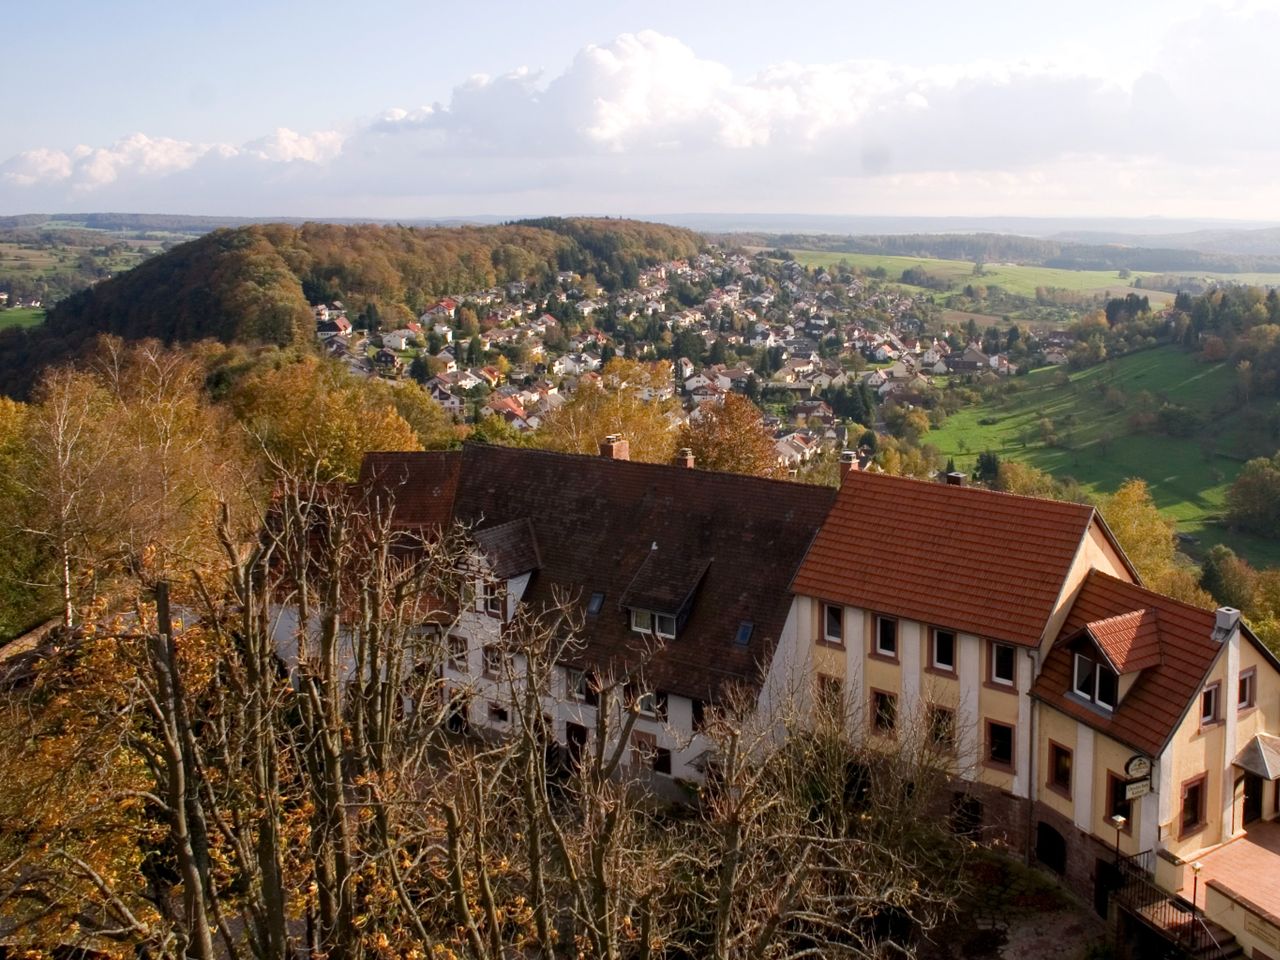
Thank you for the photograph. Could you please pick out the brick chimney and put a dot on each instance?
(953, 479)
(848, 461)
(684, 458)
(615, 447)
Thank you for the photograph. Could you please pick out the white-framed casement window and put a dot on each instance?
(494, 660)
(653, 705)
(886, 638)
(493, 598)
(1095, 682)
(581, 687)
(458, 652)
(1003, 664)
(1248, 690)
(1211, 704)
(942, 654)
(833, 623)
(647, 622)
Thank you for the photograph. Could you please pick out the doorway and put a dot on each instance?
(1252, 798)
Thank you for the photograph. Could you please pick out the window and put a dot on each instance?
(1193, 797)
(944, 650)
(1249, 690)
(498, 713)
(887, 637)
(645, 621)
(494, 660)
(582, 687)
(884, 710)
(647, 755)
(1002, 664)
(830, 696)
(1117, 804)
(1209, 712)
(999, 744)
(699, 708)
(942, 727)
(1095, 682)
(458, 653)
(1060, 768)
(650, 704)
(832, 623)
(492, 597)
(595, 604)
(743, 637)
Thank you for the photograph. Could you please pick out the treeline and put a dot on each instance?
(998, 247)
(256, 284)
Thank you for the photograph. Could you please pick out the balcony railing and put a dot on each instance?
(1176, 919)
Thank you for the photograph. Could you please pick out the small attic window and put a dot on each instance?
(595, 604)
(743, 636)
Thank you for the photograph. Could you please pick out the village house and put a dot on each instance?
(1122, 739)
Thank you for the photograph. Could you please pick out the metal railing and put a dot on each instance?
(1176, 919)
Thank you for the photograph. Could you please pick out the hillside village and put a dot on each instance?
(791, 339)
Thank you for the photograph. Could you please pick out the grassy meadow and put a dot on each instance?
(24, 317)
(1097, 447)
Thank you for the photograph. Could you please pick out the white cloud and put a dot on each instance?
(643, 124)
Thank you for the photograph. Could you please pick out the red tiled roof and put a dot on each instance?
(1130, 641)
(987, 563)
(1147, 715)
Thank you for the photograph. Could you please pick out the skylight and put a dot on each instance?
(595, 604)
(744, 633)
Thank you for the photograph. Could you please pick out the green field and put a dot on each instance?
(26, 317)
(1188, 477)
(1016, 279)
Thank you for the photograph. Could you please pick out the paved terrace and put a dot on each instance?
(1248, 865)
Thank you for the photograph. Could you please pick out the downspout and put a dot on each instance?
(1033, 656)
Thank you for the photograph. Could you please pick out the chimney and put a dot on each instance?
(953, 479)
(684, 458)
(615, 447)
(848, 461)
(1225, 621)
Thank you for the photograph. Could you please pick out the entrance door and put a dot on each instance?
(1051, 848)
(1252, 798)
(575, 735)
(1106, 878)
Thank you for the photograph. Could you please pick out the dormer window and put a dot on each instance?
(1095, 682)
(648, 622)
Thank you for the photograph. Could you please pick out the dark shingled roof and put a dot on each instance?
(1155, 704)
(988, 563)
(731, 542)
(511, 548)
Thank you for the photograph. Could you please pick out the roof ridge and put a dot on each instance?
(1191, 607)
(951, 489)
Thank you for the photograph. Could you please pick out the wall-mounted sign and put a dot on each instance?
(1137, 788)
(1137, 767)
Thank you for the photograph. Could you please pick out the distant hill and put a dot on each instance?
(1004, 247)
(255, 284)
(1254, 243)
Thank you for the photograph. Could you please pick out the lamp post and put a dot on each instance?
(1118, 820)
(1195, 885)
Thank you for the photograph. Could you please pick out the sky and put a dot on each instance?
(400, 109)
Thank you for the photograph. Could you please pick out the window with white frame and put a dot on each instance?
(832, 623)
(886, 637)
(1248, 690)
(1003, 664)
(493, 596)
(1095, 682)
(494, 660)
(1211, 704)
(648, 622)
(458, 652)
(943, 653)
(582, 687)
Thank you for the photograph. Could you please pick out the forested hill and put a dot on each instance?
(256, 283)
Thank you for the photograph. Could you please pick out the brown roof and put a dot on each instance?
(511, 548)
(726, 549)
(1152, 708)
(975, 560)
(1129, 641)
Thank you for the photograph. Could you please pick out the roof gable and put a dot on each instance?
(987, 563)
(1129, 641)
(1160, 695)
